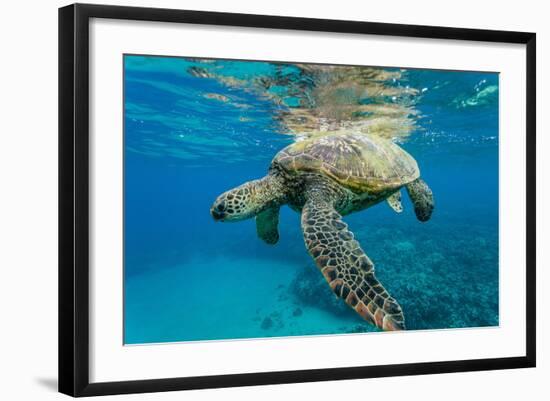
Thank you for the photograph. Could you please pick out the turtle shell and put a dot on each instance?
(359, 162)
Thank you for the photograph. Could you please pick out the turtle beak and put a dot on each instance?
(218, 216)
(218, 211)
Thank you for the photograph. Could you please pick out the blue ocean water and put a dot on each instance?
(196, 128)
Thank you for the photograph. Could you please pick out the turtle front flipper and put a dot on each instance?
(422, 198)
(394, 201)
(347, 269)
(267, 223)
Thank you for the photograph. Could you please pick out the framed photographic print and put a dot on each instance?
(249, 199)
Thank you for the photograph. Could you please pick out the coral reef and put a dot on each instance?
(267, 323)
(434, 273)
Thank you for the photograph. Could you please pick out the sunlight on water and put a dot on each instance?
(321, 98)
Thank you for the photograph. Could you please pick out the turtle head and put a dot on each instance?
(234, 205)
(246, 200)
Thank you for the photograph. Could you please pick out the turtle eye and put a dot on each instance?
(221, 206)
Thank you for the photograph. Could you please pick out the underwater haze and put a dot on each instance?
(195, 128)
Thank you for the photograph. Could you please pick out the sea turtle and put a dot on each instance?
(325, 178)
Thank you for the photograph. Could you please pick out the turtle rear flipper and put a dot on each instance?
(347, 269)
(267, 225)
(422, 198)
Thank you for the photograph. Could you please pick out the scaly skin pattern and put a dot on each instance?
(249, 199)
(347, 269)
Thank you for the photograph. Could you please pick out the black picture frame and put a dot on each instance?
(74, 198)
